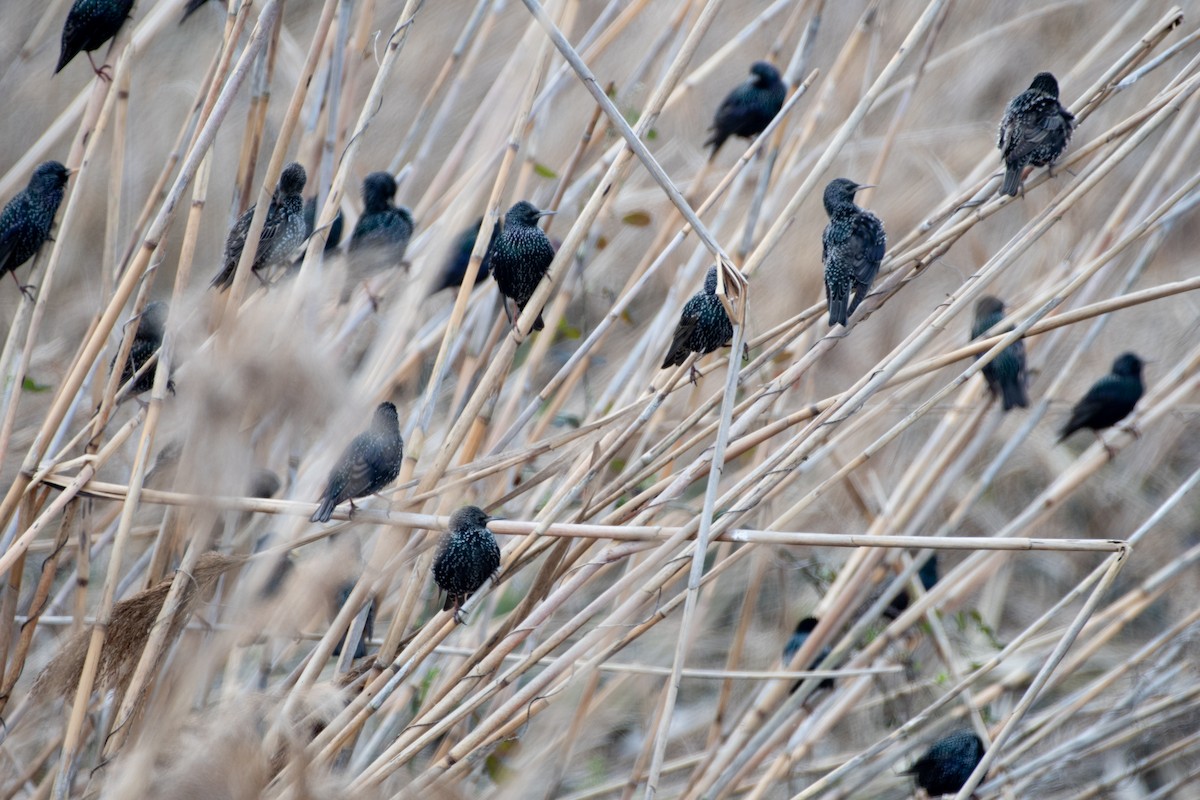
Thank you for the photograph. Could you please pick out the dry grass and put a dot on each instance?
(148, 648)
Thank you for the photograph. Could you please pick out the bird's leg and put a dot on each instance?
(372, 298)
(694, 374)
(745, 351)
(458, 615)
(104, 72)
(350, 513)
(26, 289)
(1112, 454)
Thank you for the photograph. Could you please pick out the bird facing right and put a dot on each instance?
(26, 220)
(468, 557)
(283, 229)
(948, 763)
(368, 464)
(383, 228)
(851, 248)
(703, 327)
(1110, 399)
(1005, 374)
(749, 108)
(91, 23)
(1035, 130)
(521, 255)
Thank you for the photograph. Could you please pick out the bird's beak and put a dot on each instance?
(862, 186)
(546, 214)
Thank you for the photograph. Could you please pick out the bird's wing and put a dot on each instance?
(866, 247)
(1048, 124)
(732, 109)
(678, 351)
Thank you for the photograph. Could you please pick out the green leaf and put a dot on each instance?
(638, 219)
(30, 385)
(544, 171)
(652, 134)
(568, 331)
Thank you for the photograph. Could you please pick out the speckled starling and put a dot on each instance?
(749, 108)
(521, 255)
(928, 575)
(368, 630)
(803, 628)
(384, 228)
(283, 230)
(1035, 130)
(334, 237)
(369, 463)
(703, 327)
(26, 220)
(1005, 374)
(468, 557)
(948, 763)
(455, 268)
(1110, 399)
(852, 248)
(90, 24)
(152, 324)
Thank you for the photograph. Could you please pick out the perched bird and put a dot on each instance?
(1035, 130)
(191, 8)
(703, 326)
(383, 228)
(283, 230)
(26, 220)
(948, 763)
(368, 464)
(1110, 399)
(91, 23)
(1005, 374)
(928, 575)
(803, 628)
(147, 339)
(368, 630)
(455, 269)
(335, 228)
(468, 557)
(851, 249)
(521, 255)
(749, 108)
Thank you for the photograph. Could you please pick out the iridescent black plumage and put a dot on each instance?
(26, 220)
(1036, 129)
(1110, 399)
(468, 557)
(456, 265)
(749, 108)
(803, 628)
(334, 238)
(384, 228)
(368, 630)
(704, 325)
(1005, 374)
(368, 464)
(283, 230)
(851, 249)
(928, 575)
(948, 763)
(521, 255)
(90, 24)
(152, 324)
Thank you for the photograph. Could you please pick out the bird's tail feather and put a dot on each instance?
(1014, 395)
(539, 324)
(324, 511)
(837, 312)
(1012, 181)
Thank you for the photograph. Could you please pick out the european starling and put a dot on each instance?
(749, 108)
(851, 249)
(1035, 130)
(803, 628)
(147, 339)
(1110, 399)
(335, 228)
(90, 24)
(521, 255)
(928, 575)
(368, 626)
(1005, 374)
(455, 269)
(703, 326)
(368, 464)
(468, 557)
(283, 230)
(383, 227)
(948, 763)
(26, 221)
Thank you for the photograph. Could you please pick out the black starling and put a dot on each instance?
(283, 230)
(1110, 399)
(368, 626)
(90, 24)
(703, 327)
(383, 228)
(1035, 130)
(749, 108)
(928, 575)
(335, 228)
(948, 763)
(521, 255)
(26, 221)
(456, 265)
(1005, 374)
(468, 557)
(803, 628)
(368, 464)
(851, 249)
(152, 324)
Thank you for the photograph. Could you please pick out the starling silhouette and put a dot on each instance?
(703, 327)
(335, 228)
(368, 626)
(90, 24)
(383, 228)
(520, 256)
(1110, 399)
(851, 249)
(803, 628)
(468, 557)
(283, 230)
(1035, 130)
(455, 269)
(928, 575)
(1005, 374)
(26, 220)
(368, 464)
(948, 763)
(749, 108)
(147, 339)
